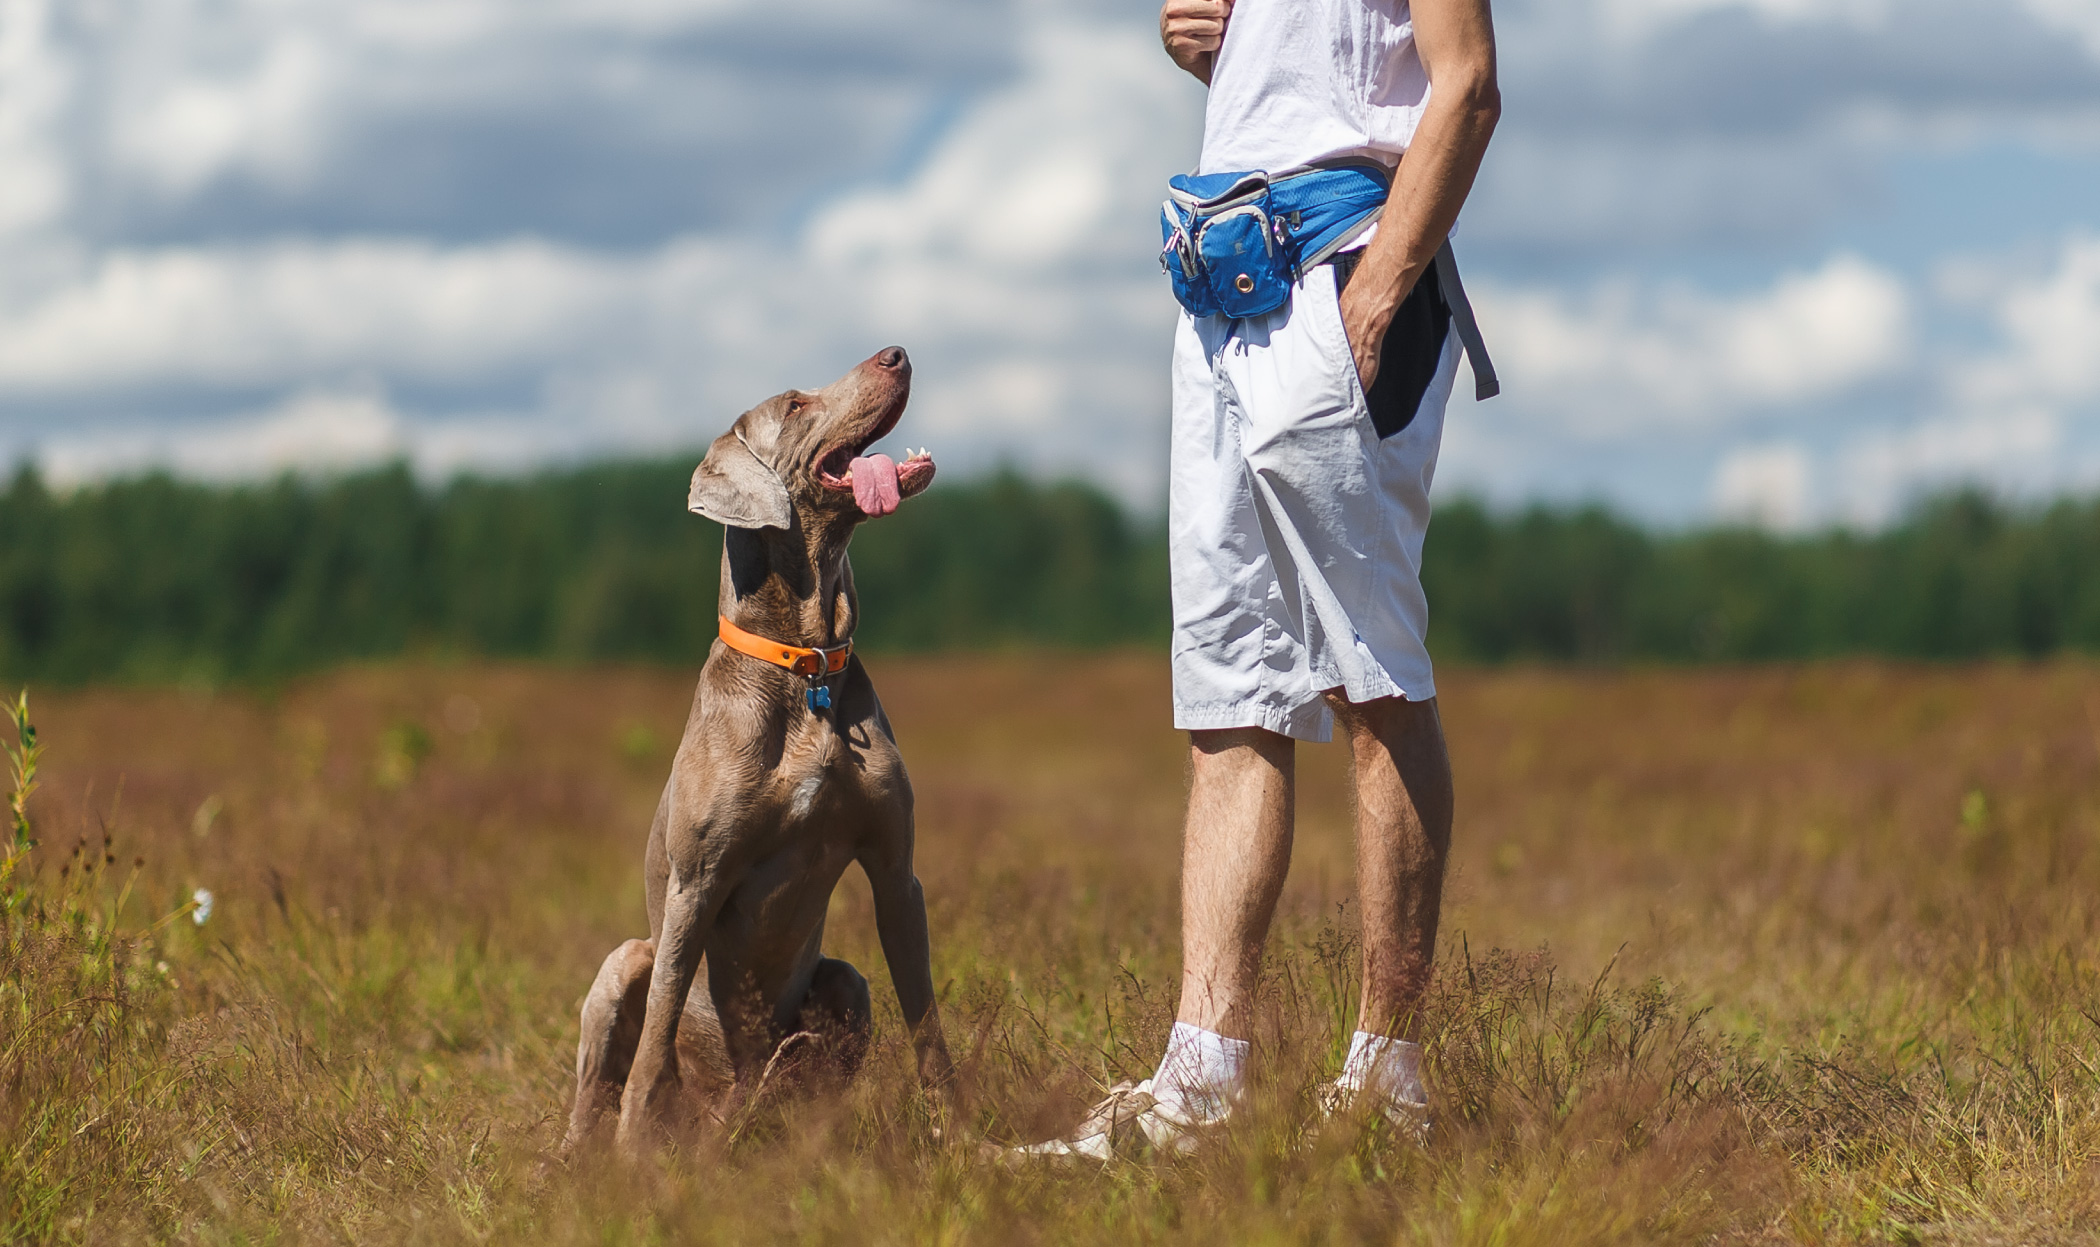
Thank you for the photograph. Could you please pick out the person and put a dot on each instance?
(1303, 444)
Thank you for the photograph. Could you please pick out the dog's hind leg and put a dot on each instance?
(836, 1017)
(612, 1027)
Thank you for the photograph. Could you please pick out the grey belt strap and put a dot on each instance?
(1485, 385)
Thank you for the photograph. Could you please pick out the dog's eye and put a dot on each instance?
(794, 405)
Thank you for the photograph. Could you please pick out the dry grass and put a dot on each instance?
(1786, 955)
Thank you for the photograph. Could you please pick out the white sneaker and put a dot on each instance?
(1408, 1118)
(1123, 1126)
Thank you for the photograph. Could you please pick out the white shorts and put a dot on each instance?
(1295, 528)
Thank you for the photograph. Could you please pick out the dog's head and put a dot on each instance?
(808, 451)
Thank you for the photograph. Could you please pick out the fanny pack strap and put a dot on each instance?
(1343, 240)
(1485, 384)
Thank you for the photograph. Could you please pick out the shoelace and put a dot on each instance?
(1124, 1104)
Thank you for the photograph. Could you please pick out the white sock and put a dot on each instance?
(1201, 1074)
(1391, 1067)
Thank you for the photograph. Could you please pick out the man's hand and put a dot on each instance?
(1456, 40)
(1192, 31)
(1364, 319)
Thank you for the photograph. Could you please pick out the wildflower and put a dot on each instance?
(201, 898)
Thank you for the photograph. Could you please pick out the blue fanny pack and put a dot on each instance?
(1234, 242)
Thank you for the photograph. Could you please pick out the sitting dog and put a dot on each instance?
(787, 773)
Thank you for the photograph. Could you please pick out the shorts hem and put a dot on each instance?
(1388, 687)
(1378, 681)
(1312, 722)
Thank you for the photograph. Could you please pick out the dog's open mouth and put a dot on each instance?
(877, 482)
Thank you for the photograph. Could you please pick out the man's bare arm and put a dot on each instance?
(1192, 31)
(1456, 39)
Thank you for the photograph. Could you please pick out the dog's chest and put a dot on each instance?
(802, 798)
(814, 800)
(799, 851)
(828, 778)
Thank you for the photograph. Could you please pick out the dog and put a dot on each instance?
(787, 773)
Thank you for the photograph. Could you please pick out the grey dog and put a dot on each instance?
(783, 778)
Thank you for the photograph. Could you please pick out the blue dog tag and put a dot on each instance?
(820, 697)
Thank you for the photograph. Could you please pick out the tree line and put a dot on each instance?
(155, 578)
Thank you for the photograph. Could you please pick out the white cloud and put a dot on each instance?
(2015, 451)
(2080, 17)
(33, 86)
(1015, 263)
(281, 313)
(1765, 485)
(1645, 16)
(1039, 174)
(2051, 328)
(319, 430)
(1628, 358)
(2016, 416)
(265, 118)
(316, 431)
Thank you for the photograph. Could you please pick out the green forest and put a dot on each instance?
(156, 579)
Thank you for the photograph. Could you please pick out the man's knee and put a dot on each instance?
(1394, 723)
(1240, 744)
(1408, 737)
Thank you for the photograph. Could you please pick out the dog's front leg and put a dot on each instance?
(900, 923)
(690, 902)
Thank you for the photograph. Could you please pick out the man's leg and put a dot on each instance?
(1236, 850)
(1403, 835)
(1235, 853)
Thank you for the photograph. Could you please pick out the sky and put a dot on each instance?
(1788, 261)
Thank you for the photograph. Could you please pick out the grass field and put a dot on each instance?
(1789, 955)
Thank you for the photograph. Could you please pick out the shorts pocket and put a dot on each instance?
(1413, 347)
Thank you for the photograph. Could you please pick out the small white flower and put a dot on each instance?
(202, 899)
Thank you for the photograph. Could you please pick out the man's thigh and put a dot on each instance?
(1296, 521)
(1234, 662)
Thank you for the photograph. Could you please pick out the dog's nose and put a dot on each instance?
(891, 357)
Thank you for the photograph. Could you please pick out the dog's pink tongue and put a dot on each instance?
(875, 484)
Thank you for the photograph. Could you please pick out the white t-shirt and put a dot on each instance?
(1303, 80)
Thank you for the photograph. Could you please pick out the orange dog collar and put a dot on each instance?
(807, 662)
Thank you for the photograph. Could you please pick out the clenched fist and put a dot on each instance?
(1192, 31)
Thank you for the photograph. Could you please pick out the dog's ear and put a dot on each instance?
(732, 486)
